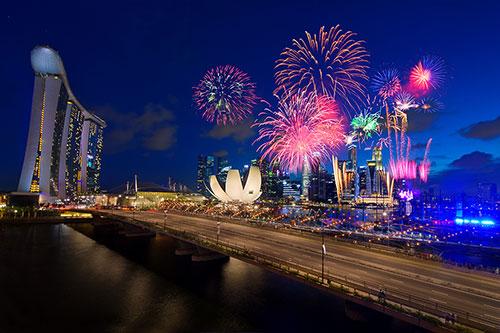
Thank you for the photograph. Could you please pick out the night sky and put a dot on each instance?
(135, 62)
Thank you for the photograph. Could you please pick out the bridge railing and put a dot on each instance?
(394, 298)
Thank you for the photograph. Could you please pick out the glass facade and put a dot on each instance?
(73, 158)
(60, 115)
(63, 156)
(94, 156)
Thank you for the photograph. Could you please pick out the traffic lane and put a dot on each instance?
(432, 270)
(305, 257)
(374, 277)
(294, 255)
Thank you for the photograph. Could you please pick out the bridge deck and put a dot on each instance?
(428, 286)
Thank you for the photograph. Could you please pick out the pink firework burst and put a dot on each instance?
(425, 166)
(225, 95)
(427, 74)
(305, 128)
(403, 169)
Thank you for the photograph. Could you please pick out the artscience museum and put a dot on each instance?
(234, 190)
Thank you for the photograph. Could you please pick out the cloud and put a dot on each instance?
(418, 145)
(483, 130)
(419, 122)
(474, 160)
(464, 173)
(161, 139)
(152, 128)
(221, 153)
(240, 132)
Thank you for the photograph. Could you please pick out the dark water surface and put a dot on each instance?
(55, 278)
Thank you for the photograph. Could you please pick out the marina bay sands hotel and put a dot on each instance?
(63, 154)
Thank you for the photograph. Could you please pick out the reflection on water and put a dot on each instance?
(53, 277)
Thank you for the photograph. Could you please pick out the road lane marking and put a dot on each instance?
(437, 300)
(439, 292)
(487, 315)
(491, 306)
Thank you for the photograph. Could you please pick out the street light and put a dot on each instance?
(164, 220)
(218, 231)
(323, 253)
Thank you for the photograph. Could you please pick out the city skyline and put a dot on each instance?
(212, 166)
(465, 143)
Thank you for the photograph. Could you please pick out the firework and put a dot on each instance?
(400, 164)
(386, 83)
(304, 129)
(429, 104)
(225, 95)
(365, 125)
(403, 169)
(427, 74)
(404, 101)
(329, 63)
(350, 141)
(425, 166)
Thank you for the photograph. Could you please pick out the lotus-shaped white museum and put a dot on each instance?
(234, 189)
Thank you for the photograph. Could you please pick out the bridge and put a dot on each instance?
(418, 291)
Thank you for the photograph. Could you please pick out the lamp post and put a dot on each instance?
(323, 253)
(164, 220)
(218, 231)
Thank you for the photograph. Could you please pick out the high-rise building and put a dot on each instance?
(364, 180)
(377, 157)
(57, 144)
(321, 185)
(223, 168)
(487, 194)
(352, 162)
(272, 187)
(206, 168)
(372, 183)
(91, 152)
(209, 165)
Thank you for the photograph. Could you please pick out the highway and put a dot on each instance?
(473, 292)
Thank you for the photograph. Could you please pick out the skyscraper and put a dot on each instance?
(272, 187)
(207, 166)
(58, 143)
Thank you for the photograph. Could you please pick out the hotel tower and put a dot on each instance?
(63, 154)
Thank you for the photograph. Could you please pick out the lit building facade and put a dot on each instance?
(56, 144)
(209, 165)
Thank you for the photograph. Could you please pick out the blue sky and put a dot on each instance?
(135, 63)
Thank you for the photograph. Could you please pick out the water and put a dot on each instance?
(56, 278)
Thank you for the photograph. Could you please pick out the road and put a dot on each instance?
(475, 293)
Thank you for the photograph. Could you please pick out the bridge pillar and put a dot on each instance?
(184, 248)
(202, 255)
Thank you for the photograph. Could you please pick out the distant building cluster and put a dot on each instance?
(63, 156)
(362, 182)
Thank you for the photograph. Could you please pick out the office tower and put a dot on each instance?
(377, 157)
(364, 180)
(271, 184)
(487, 194)
(209, 165)
(372, 182)
(319, 185)
(56, 144)
(352, 162)
(223, 167)
(204, 171)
